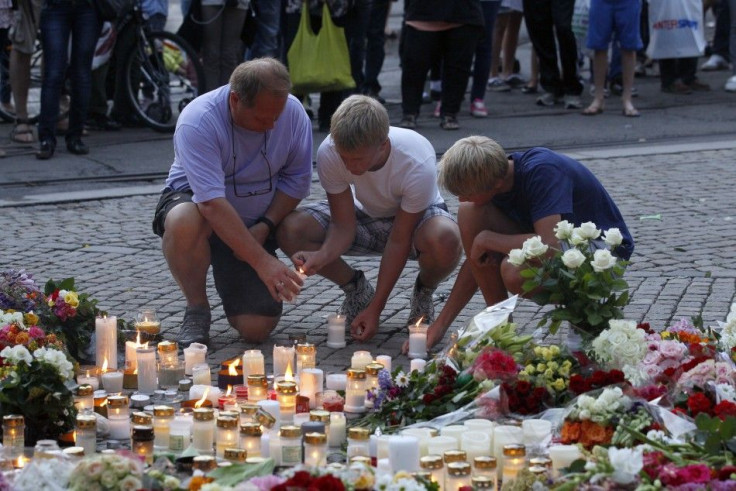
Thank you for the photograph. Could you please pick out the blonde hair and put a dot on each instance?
(472, 166)
(359, 122)
(251, 77)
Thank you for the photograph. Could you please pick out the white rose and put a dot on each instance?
(627, 463)
(16, 354)
(621, 324)
(576, 239)
(563, 230)
(602, 260)
(588, 231)
(516, 257)
(613, 237)
(534, 247)
(572, 258)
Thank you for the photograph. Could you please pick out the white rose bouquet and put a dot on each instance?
(582, 280)
(107, 472)
(621, 345)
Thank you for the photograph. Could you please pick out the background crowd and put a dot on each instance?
(443, 45)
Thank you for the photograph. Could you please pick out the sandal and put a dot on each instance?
(22, 132)
(449, 123)
(592, 110)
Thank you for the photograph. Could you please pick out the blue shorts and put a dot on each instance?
(614, 16)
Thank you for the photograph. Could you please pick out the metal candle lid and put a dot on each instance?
(251, 429)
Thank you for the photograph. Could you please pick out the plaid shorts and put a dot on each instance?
(371, 233)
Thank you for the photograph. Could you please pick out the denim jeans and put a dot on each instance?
(61, 19)
(483, 51)
(375, 51)
(266, 41)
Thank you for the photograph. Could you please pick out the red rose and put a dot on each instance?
(442, 390)
(724, 409)
(670, 372)
(428, 399)
(727, 473)
(523, 387)
(599, 379)
(328, 482)
(615, 377)
(644, 326)
(300, 479)
(699, 403)
(578, 384)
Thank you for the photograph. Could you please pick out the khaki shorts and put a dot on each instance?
(25, 29)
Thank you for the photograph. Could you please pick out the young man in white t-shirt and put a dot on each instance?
(382, 199)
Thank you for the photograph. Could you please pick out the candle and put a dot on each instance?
(505, 435)
(454, 431)
(162, 418)
(403, 453)
(147, 381)
(562, 456)
(306, 357)
(514, 460)
(89, 377)
(147, 322)
(336, 331)
(438, 445)
(283, 357)
(112, 381)
(85, 435)
(203, 430)
(250, 438)
(315, 449)
(201, 374)
(481, 426)
(338, 431)
(253, 364)
(270, 408)
(286, 396)
(536, 431)
(131, 360)
(119, 429)
(257, 388)
(418, 340)
(475, 444)
(195, 354)
(231, 374)
(118, 407)
(227, 435)
(417, 364)
(355, 392)
(311, 382)
(337, 381)
(84, 399)
(106, 341)
(14, 434)
(360, 359)
(384, 360)
(358, 442)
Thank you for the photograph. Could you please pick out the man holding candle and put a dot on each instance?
(242, 162)
(505, 200)
(397, 212)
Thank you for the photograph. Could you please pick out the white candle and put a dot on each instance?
(423, 435)
(418, 340)
(360, 359)
(147, 381)
(336, 331)
(562, 456)
(481, 426)
(131, 360)
(195, 354)
(201, 374)
(337, 381)
(253, 364)
(454, 431)
(536, 431)
(417, 364)
(338, 430)
(403, 453)
(112, 381)
(384, 360)
(119, 429)
(283, 356)
(106, 341)
(475, 444)
(272, 408)
(438, 445)
(310, 385)
(505, 435)
(89, 379)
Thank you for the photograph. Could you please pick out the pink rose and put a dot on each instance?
(651, 358)
(652, 371)
(671, 349)
(697, 473)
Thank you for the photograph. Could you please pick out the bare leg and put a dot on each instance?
(20, 82)
(628, 64)
(439, 246)
(600, 68)
(187, 251)
(498, 34)
(510, 41)
(253, 328)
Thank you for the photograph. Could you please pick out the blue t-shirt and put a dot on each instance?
(548, 183)
(209, 162)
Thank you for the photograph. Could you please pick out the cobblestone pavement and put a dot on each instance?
(678, 204)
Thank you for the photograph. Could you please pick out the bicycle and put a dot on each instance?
(162, 73)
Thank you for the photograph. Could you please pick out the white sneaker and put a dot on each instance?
(573, 102)
(478, 109)
(715, 62)
(731, 84)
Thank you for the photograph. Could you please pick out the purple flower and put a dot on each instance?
(385, 382)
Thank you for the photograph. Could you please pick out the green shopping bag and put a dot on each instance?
(319, 62)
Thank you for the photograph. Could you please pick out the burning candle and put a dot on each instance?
(311, 382)
(336, 331)
(203, 430)
(112, 381)
(147, 322)
(106, 341)
(355, 392)
(131, 360)
(283, 357)
(562, 456)
(384, 360)
(257, 388)
(228, 399)
(315, 449)
(227, 435)
(250, 438)
(195, 354)
(360, 359)
(147, 381)
(231, 374)
(505, 435)
(118, 407)
(306, 357)
(418, 340)
(286, 396)
(253, 364)
(88, 376)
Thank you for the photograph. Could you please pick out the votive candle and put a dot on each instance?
(106, 341)
(336, 331)
(195, 354)
(310, 385)
(253, 364)
(147, 381)
(360, 359)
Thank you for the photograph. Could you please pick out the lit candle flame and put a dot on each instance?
(88, 373)
(419, 321)
(104, 365)
(289, 374)
(104, 403)
(135, 372)
(138, 340)
(300, 270)
(229, 390)
(199, 403)
(232, 367)
(21, 462)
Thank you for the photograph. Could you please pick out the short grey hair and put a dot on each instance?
(472, 165)
(251, 77)
(359, 122)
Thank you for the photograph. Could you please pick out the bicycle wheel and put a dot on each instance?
(163, 75)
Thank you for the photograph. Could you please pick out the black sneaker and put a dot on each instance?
(421, 306)
(196, 326)
(358, 294)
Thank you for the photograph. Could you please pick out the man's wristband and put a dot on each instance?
(271, 226)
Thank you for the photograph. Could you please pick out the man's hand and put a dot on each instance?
(435, 333)
(308, 261)
(260, 232)
(283, 283)
(481, 254)
(365, 325)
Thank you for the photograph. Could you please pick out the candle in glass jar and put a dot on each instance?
(147, 322)
(418, 340)
(505, 435)
(88, 376)
(227, 435)
(306, 357)
(195, 354)
(250, 438)
(112, 381)
(283, 357)
(253, 364)
(286, 395)
(84, 399)
(336, 331)
(310, 385)
(257, 388)
(360, 359)
(384, 360)
(106, 341)
(85, 435)
(147, 381)
(337, 381)
(118, 407)
(514, 460)
(417, 365)
(162, 418)
(201, 374)
(203, 430)
(562, 456)
(119, 429)
(315, 449)
(403, 453)
(475, 444)
(355, 392)
(338, 429)
(14, 434)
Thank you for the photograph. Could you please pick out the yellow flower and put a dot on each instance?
(665, 335)
(554, 349)
(50, 302)
(564, 371)
(546, 354)
(523, 376)
(541, 367)
(529, 369)
(559, 385)
(553, 365)
(402, 475)
(567, 364)
(72, 299)
(538, 350)
(549, 374)
(30, 319)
